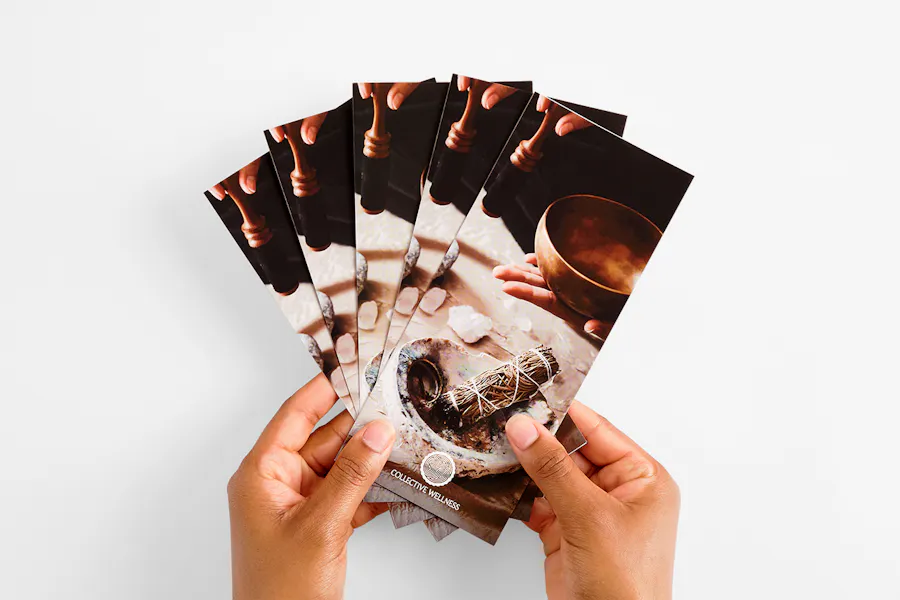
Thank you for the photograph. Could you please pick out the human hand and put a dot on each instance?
(525, 282)
(609, 515)
(309, 129)
(246, 179)
(293, 507)
(491, 96)
(396, 95)
(568, 123)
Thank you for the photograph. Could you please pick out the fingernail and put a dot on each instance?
(564, 129)
(251, 184)
(397, 100)
(378, 435)
(521, 431)
(490, 100)
(311, 134)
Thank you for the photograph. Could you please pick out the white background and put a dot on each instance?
(140, 357)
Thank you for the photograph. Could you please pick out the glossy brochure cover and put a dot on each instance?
(549, 254)
(251, 206)
(312, 158)
(475, 123)
(394, 127)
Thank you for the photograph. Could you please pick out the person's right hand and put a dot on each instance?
(491, 96)
(610, 512)
(396, 95)
(568, 123)
(246, 179)
(309, 129)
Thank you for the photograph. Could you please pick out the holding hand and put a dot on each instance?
(491, 96)
(309, 129)
(293, 507)
(610, 513)
(396, 95)
(246, 179)
(525, 282)
(568, 123)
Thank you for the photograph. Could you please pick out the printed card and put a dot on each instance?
(313, 160)
(251, 206)
(394, 126)
(548, 255)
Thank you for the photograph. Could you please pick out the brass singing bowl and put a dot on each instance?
(591, 250)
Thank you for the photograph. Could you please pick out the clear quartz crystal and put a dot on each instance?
(406, 300)
(433, 300)
(469, 324)
(338, 383)
(345, 348)
(368, 314)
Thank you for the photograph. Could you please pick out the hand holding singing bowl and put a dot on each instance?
(589, 253)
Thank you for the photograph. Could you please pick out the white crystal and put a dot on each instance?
(469, 324)
(433, 299)
(338, 383)
(368, 313)
(406, 300)
(345, 348)
(523, 324)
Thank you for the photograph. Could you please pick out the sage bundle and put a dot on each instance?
(495, 389)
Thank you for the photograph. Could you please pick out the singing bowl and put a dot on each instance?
(591, 250)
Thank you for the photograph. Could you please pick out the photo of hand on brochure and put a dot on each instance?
(548, 255)
(454, 254)
(251, 206)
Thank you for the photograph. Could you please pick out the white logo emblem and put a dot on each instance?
(438, 469)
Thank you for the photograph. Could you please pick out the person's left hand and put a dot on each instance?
(525, 282)
(293, 506)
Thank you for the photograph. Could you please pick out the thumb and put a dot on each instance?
(569, 492)
(355, 469)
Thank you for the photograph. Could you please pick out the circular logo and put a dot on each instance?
(438, 469)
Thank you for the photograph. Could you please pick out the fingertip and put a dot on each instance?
(509, 287)
(309, 134)
(522, 431)
(563, 128)
(489, 100)
(396, 99)
(580, 411)
(323, 385)
(378, 436)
